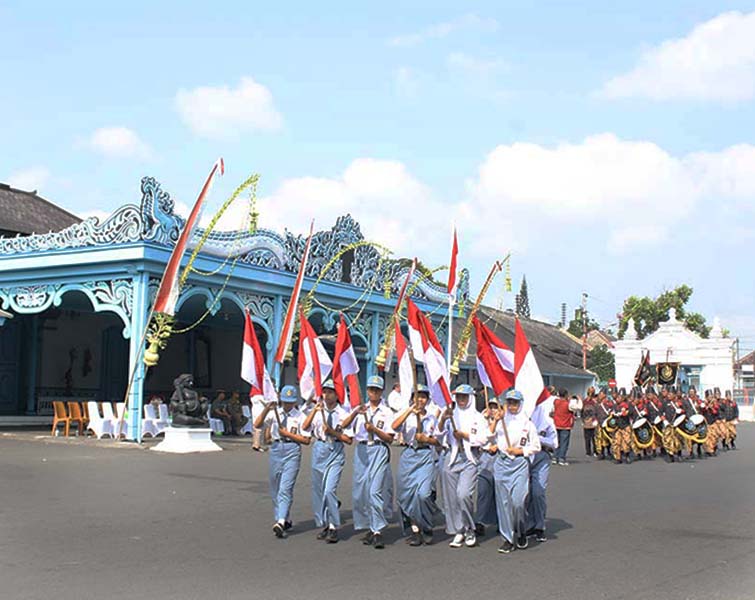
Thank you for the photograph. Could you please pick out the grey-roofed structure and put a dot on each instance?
(558, 355)
(25, 213)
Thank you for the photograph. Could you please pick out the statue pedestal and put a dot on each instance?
(182, 440)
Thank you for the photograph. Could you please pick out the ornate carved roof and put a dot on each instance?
(155, 221)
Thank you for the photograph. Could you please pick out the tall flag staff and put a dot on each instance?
(383, 356)
(287, 332)
(451, 295)
(164, 307)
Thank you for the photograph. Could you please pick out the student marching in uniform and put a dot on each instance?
(486, 511)
(416, 470)
(373, 433)
(517, 439)
(328, 460)
(464, 433)
(285, 454)
(540, 466)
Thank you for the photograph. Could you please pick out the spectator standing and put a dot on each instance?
(590, 422)
(563, 418)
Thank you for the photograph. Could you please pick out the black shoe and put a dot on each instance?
(323, 534)
(522, 542)
(377, 541)
(629, 459)
(416, 539)
(287, 525)
(279, 531)
(332, 537)
(506, 547)
(733, 445)
(427, 535)
(339, 503)
(540, 536)
(479, 529)
(616, 462)
(367, 538)
(530, 532)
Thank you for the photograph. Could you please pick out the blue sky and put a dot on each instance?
(608, 145)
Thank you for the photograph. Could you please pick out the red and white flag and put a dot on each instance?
(401, 294)
(406, 374)
(290, 321)
(527, 377)
(167, 294)
(495, 360)
(452, 267)
(253, 369)
(314, 363)
(425, 343)
(345, 366)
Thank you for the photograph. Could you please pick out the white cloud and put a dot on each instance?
(405, 81)
(715, 61)
(604, 182)
(472, 64)
(441, 30)
(118, 142)
(33, 178)
(225, 112)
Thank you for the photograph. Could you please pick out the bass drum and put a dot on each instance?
(610, 425)
(701, 434)
(642, 432)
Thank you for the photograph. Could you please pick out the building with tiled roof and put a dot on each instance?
(24, 213)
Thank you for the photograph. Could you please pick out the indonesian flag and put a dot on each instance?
(290, 321)
(401, 294)
(345, 366)
(405, 372)
(527, 377)
(495, 360)
(167, 294)
(452, 268)
(314, 362)
(253, 369)
(425, 343)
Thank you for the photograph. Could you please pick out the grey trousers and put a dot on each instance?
(458, 483)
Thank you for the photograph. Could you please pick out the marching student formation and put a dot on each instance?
(485, 468)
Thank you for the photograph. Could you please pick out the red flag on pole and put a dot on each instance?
(314, 364)
(344, 362)
(527, 377)
(426, 344)
(167, 294)
(253, 369)
(452, 267)
(495, 360)
(290, 321)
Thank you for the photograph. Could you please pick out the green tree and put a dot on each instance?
(576, 325)
(523, 300)
(600, 360)
(648, 313)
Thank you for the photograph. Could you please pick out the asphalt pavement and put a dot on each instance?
(81, 518)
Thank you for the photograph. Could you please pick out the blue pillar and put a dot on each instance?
(138, 325)
(31, 382)
(374, 344)
(277, 325)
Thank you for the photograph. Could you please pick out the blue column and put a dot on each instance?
(275, 369)
(138, 325)
(31, 382)
(374, 344)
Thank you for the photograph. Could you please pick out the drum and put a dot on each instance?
(642, 432)
(679, 420)
(701, 433)
(697, 419)
(610, 424)
(658, 420)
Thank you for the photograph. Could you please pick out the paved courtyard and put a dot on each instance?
(86, 519)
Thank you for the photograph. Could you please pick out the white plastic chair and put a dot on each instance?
(97, 424)
(121, 419)
(107, 413)
(215, 424)
(248, 428)
(164, 416)
(149, 422)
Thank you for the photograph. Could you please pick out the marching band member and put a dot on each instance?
(622, 439)
(464, 432)
(517, 440)
(328, 460)
(416, 470)
(540, 466)
(731, 416)
(603, 411)
(373, 434)
(285, 454)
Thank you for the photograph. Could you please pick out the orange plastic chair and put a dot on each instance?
(60, 416)
(85, 413)
(75, 416)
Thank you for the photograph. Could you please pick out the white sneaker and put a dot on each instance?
(470, 540)
(458, 541)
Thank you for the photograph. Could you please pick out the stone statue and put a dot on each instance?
(187, 407)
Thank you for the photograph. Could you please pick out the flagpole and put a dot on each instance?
(449, 347)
